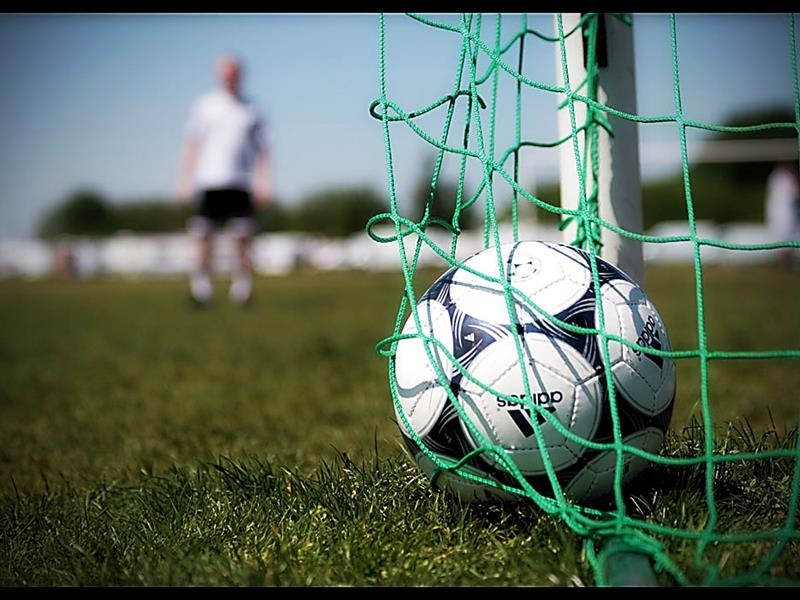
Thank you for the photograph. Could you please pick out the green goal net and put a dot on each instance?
(745, 485)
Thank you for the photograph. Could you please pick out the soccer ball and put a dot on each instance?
(471, 320)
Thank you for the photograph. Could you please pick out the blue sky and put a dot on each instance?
(100, 101)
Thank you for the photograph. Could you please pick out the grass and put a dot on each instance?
(148, 443)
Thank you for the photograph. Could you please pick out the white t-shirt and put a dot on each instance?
(230, 133)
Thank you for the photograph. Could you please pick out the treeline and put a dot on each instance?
(716, 196)
(338, 212)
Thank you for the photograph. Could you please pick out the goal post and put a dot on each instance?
(619, 178)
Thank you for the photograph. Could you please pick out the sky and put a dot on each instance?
(100, 101)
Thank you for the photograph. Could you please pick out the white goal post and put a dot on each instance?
(620, 189)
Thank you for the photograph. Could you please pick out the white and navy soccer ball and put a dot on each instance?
(468, 315)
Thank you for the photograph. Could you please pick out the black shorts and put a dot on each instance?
(220, 205)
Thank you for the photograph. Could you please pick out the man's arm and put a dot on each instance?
(188, 160)
(262, 178)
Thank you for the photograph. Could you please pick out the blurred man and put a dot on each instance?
(226, 167)
(783, 191)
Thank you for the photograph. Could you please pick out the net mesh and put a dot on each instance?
(473, 88)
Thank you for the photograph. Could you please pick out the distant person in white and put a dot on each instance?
(783, 191)
(225, 167)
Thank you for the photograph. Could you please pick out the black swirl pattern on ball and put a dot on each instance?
(440, 289)
(446, 438)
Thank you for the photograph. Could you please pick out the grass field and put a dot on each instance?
(145, 442)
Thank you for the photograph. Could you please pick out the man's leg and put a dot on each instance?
(242, 275)
(200, 278)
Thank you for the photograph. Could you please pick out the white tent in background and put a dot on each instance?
(25, 258)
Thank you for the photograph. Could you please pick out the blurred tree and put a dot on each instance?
(337, 212)
(442, 198)
(273, 217)
(756, 171)
(151, 216)
(721, 192)
(547, 192)
(84, 212)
